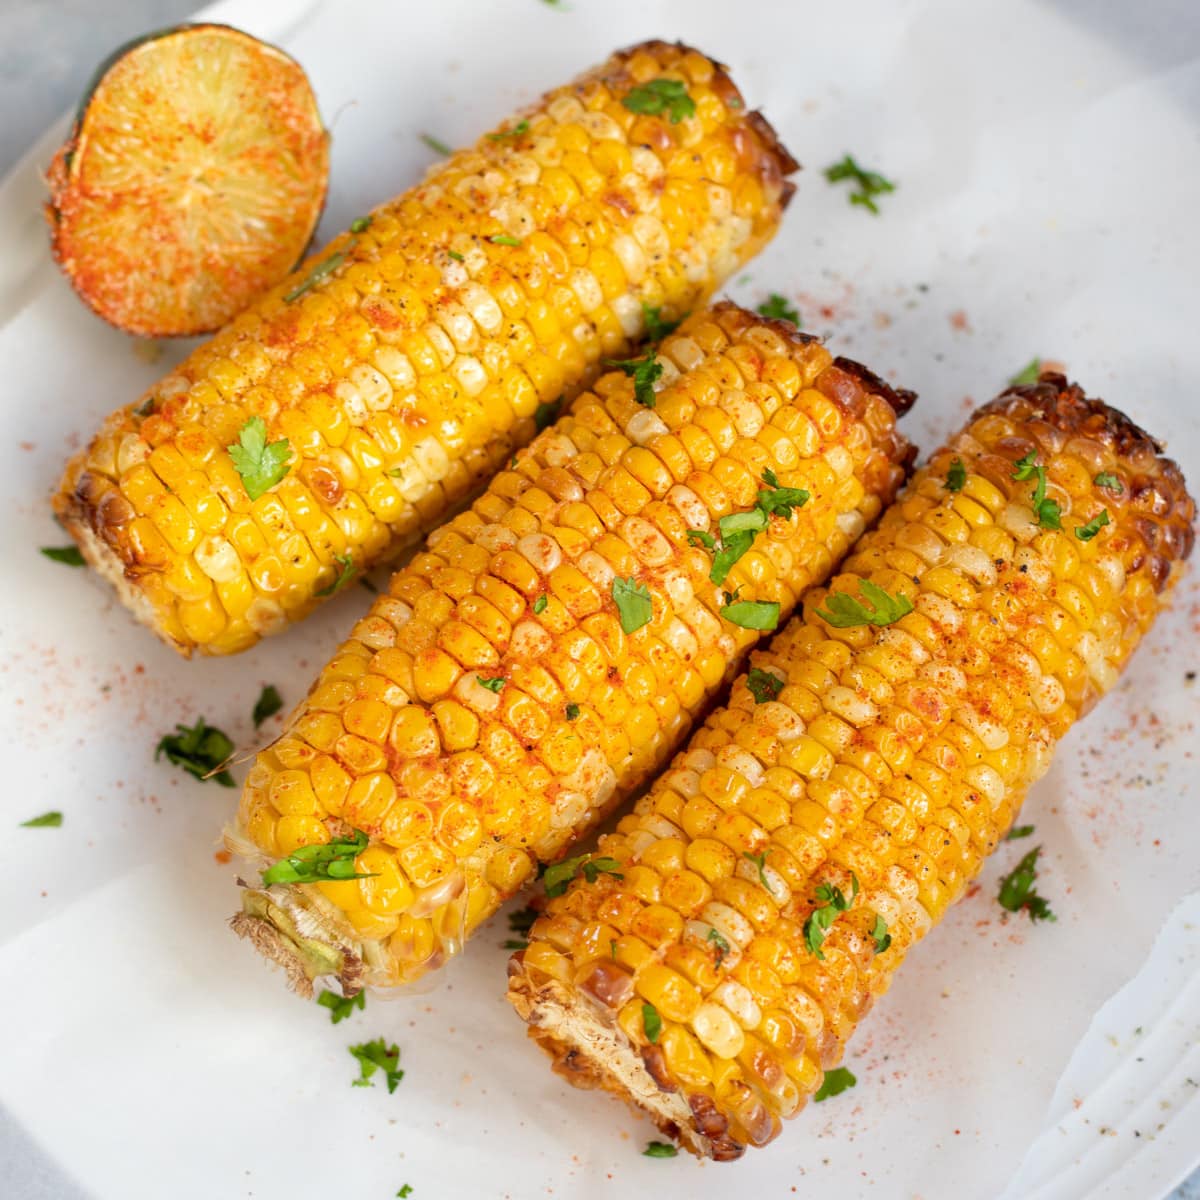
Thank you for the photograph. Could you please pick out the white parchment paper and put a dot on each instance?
(1046, 206)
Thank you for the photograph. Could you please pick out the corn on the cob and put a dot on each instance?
(495, 705)
(887, 759)
(405, 362)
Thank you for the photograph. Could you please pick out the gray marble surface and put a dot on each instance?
(48, 49)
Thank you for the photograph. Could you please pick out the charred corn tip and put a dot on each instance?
(879, 769)
(404, 364)
(499, 701)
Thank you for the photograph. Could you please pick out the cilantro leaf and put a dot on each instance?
(558, 876)
(260, 465)
(269, 702)
(752, 614)
(374, 1056)
(1085, 533)
(880, 935)
(520, 923)
(436, 144)
(837, 1081)
(733, 546)
(1046, 512)
(572, 711)
(1018, 831)
(831, 904)
(325, 267)
(404, 1192)
(504, 239)
(201, 750)
(700, 539)
(777, 308)
(956, 476)
(660, 1150)
(343, 577)
(340, 1007)
(651, 1022)
(656, 327)
(454, 254)
(1108, 481)
(539, 605)
(546, 414)
(635, 608)
(1030, 373)
(1017, 891)
(661, 95)
(329, 860)
(867, 184)
(876, 607)
(522, 127)
(722, 946)
(48, 820)
(69, 556)
(495, 684)
(644, 372)
(360, 224)
(763, 685)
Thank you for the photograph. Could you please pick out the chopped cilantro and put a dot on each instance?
(700, 539)
(660, 1150)
(651, 1022)
(504, 239)
(454, 254)
(261, 465)
(718, 941)
(269, 702)
(436, 144)
(880, 935)
(340, 1007)
(831, 903)
(325, 267)
(360, 224)
(777, 308)
(539, 605)
(495, 684)
(546, 414)
(1017, 891)
(1018, 831)
(343, 577)
(956, 476)
(375, 1056)
(661, 95)
(331, 860)
(1108, 481)
(876, 607)
(763, 685)
(48, 820)
(656, 327)
(1028, 374)
(522, 127)
(836, 1082)
(1046, 511)
(560, 874)
(1085, 533)
(868, 184)
(644, 372)
(634, 605)
(201, 750)
(572, 712)
(752, 614)
(69, 556)
(519, 924)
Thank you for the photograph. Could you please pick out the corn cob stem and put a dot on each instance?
(407, 360)
(888, 766)
(495, 704)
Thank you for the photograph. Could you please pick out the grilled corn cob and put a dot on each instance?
(496, 702)
(397, 369)
(716, 969)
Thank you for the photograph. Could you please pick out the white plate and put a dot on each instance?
(1045, 206)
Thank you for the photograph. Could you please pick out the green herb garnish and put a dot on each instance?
(504, 239)
(836, 1082)
(454, 254)
(656, 327)
(880, 935)
(546, 414)
(1107, 480)
(777, 308)
(516, 131)
(69, 556)
(660, 1150)
(1018, 831)
(495, 684)
(200, 750)
(269, 702)
(377, 1056)
(572, 712)
(435, 144)
(261, 465)
(539, 605)
(340, 1007)
(634, 606)
(343, 577)
(325, 267)
(722, 946)
(404, 1192)
(48, 820)
(661, 95)
(644, 372)
(1017, 891)
(520, 923)
(831, 904)
(651, 1022)
(763, 685)
(876, 607)
(1046, 511)
(700, 539)
(760, 861)
(308, 864)
(752, 614)
(360, 224)
(956, 476)
(1028, 374)
(868, 184)
(1085, 533)
(560, 874)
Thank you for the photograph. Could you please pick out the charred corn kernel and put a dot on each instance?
(471, 730)
(921, 740)
(422, 322)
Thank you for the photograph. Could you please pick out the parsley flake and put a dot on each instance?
(831, 904)
(656, 327)
(837, 1081)
(661, 95)
(572, 712)
(1018, 831)
(48, 820)
(659, 1150)
(1017, 891)
(340, 1007)
(360, 224)
(269, 702)
(69, 556)
(522, 127)
(720, 943)
(634, 605)
(436, 144)
(644, 372)
(876, 607)
(520, 923)
(331, 860)
(1030, 373)
(763, 685)
(325, 267)
(777, 308)
(762, 615)
(700, 539)
(454, 254)
(738, 530)
(1046, 512)
(539, 605)
(261, 465)
(560, 874)
(375, 1056)
(868, 184)
(495, 684)
(405, 1192)
(342, 578)
(201, 750)
(546, 414)
(956, 476)
(504, 239)
(1108, 481)
(651, 1023)
(1085, 533)
(880, 935)
(760, 861)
